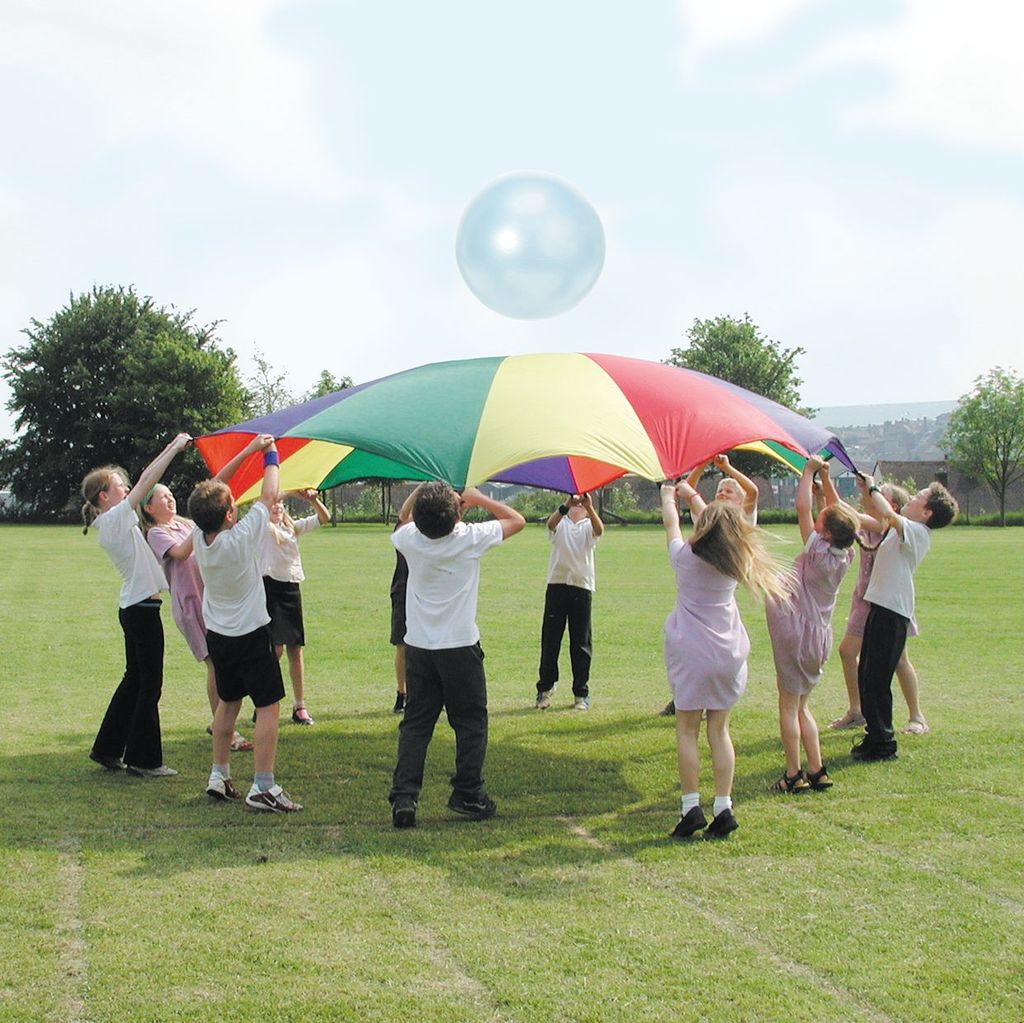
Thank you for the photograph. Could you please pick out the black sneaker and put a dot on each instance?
(722, 825)
(403, 812)
(110, 763)
(479, 806)
(866, 750)
(669, 710)
(399, 707)
(692, 821)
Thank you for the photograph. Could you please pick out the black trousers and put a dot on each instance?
(131, 725)
(566, 605)
(452, 680)
(885, 636)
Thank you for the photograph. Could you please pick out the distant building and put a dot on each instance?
(974, 496)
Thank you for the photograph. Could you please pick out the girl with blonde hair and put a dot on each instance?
(129, 736)
(706, 645)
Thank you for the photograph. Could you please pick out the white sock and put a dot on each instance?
(221, 771)
(690, 800)
(722, 803)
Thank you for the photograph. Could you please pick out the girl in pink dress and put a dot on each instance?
(706, 645)
(849, 647)
(170, 537)
(801, 628)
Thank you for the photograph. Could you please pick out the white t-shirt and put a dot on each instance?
(892, 576)
(444, 581)
(234, 601)
(279, 550)
(572, 553)
(121, 537)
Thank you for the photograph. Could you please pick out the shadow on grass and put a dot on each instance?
(341, 771)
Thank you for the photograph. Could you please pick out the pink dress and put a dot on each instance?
(801, 631)
(185, 584)
(706, 645)
(858, 605)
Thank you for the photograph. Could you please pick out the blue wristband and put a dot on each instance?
(271, 458)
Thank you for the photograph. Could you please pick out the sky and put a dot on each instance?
(849, 175)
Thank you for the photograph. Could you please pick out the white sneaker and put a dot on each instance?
(222, 788)
(544, 698)
(581, 703)
(274, 801)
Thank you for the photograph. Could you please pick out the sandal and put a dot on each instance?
(916, 726)
(240, 744)
(851, 719)
(819, 780)
(301, 716)
(796, 783)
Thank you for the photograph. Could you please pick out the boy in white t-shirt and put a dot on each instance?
(890, 597)
(444, 667)
(238, 628)
(573, 530)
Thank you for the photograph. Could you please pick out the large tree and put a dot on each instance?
(985, 435)
(110, 378)
(737, 351)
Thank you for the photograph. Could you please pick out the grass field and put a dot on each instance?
(898, 895)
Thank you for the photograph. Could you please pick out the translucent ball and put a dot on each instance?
(529, 246)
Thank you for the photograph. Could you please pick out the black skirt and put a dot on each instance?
(284, 605)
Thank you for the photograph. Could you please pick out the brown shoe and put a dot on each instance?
(222, 788)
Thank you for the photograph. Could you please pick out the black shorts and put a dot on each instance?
(398, 618)
(284, 605)
(246, 666)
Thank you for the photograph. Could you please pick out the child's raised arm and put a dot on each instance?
(259, 443)
(804, 515)
(747, 485)
(670, 512)
(271, 471)
(694, 478)
(876, 505)
(511, 521)
(150, 476)
(405, 512)
(311, 496)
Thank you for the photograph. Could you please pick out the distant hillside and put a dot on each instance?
(911, 431)
(835, 417)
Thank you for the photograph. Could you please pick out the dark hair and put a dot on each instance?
(942, 505)
(436, 510)
(208, 504)
(841, 524)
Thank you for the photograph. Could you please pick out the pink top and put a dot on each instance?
(185, 582)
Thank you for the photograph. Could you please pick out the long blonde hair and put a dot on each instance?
(93, 484)
(724, 539)
(148, 522)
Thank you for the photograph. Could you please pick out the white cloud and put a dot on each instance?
(201, 76)
(710, 25)
(952, 72)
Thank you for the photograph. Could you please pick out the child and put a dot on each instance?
(238, 632)
(129, 737)
(399, 581)
(801, 628)
(282, 573)
(170, 538)
(734, 488)
(443, 659)
(573, 530)
(890, 598)
(849, 647)
(706, 645)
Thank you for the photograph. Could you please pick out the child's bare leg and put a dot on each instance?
(723, 757)
(265, 738)
(809, 737)
(223, 729)
(296, 671)
(907, 676)
(789, 729)
(849, 651)
(687, 731)
(211, 685)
